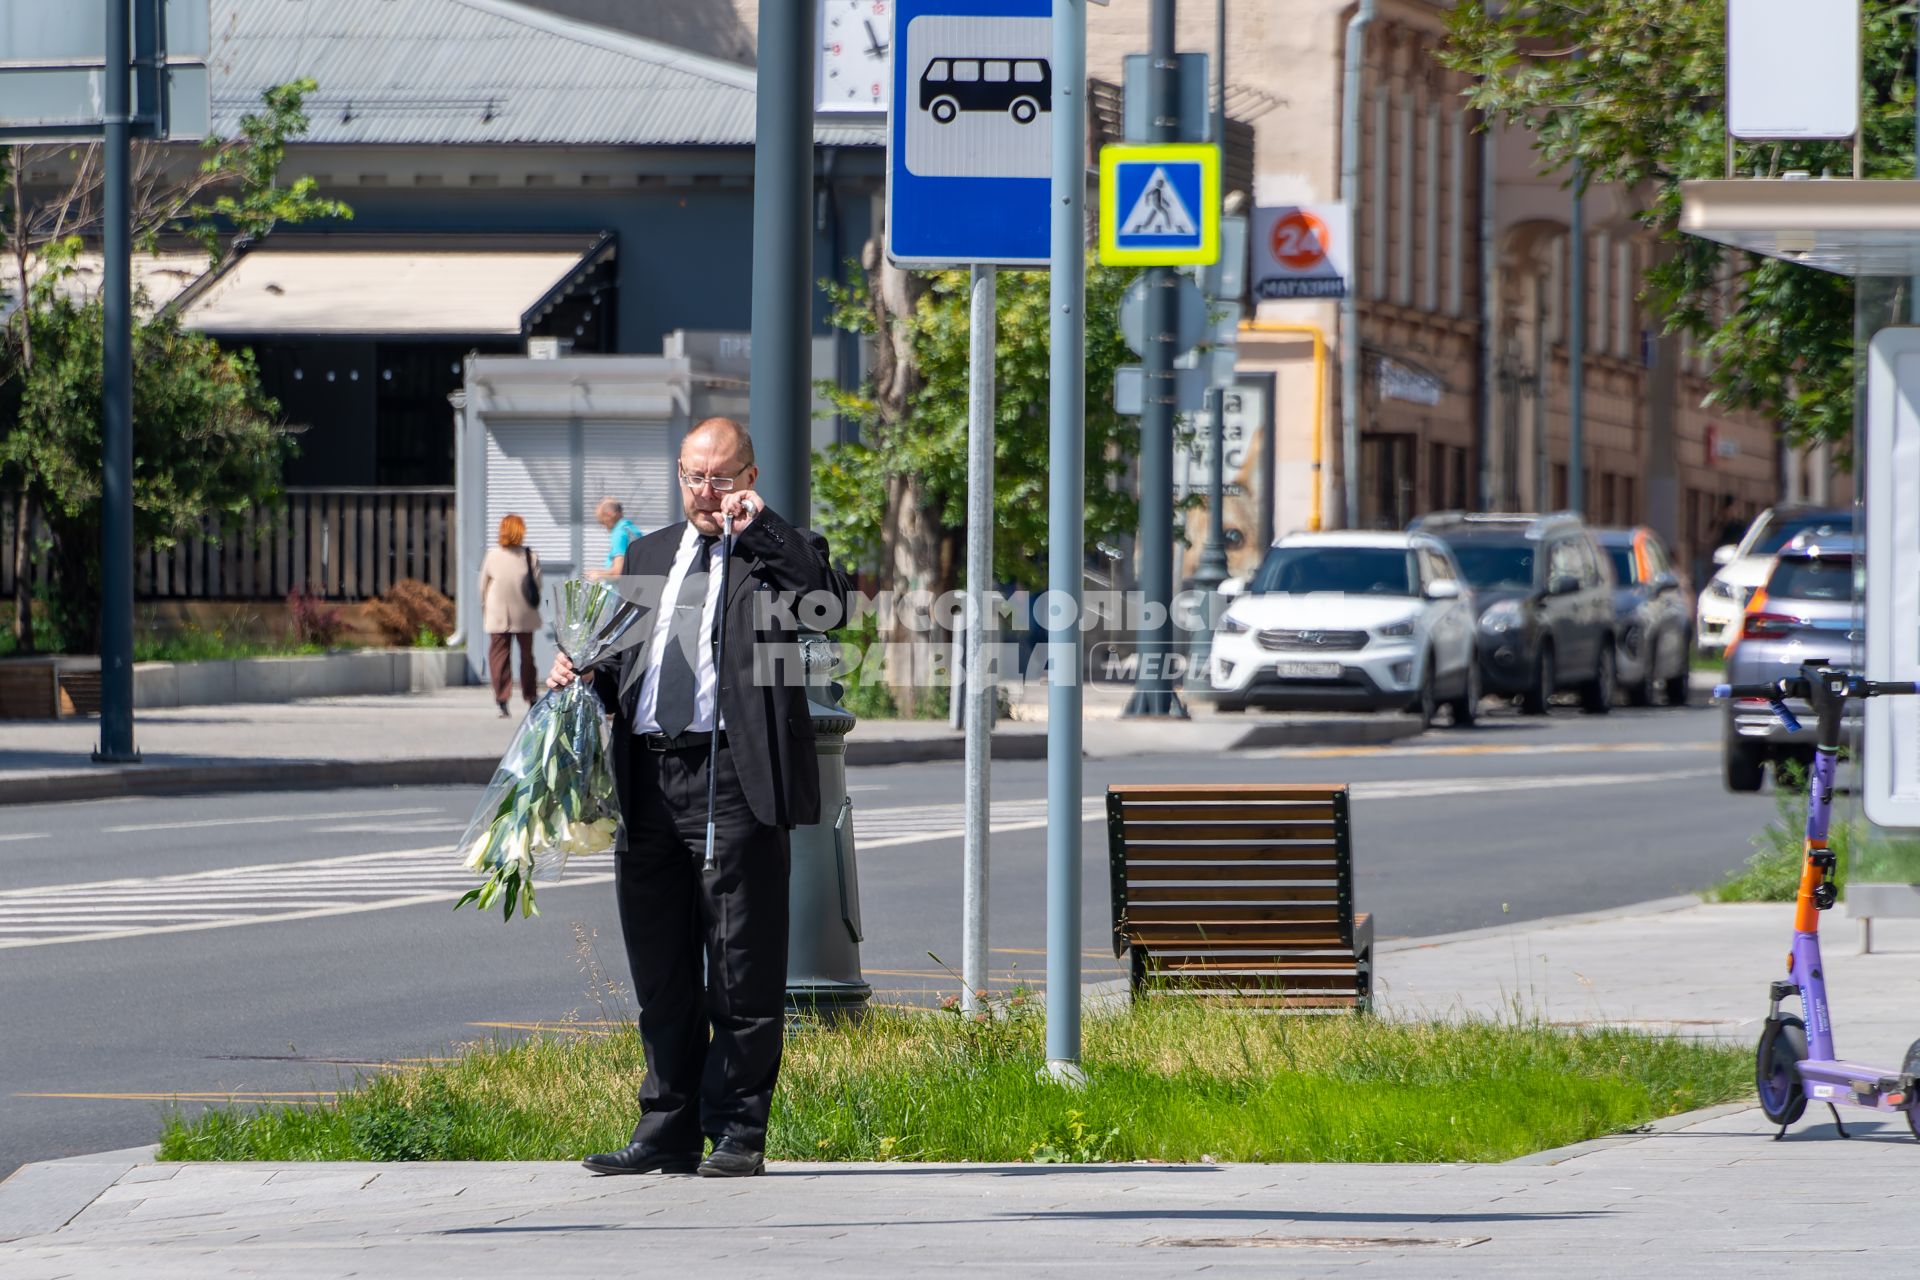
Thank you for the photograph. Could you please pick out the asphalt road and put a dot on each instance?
(159, 1000)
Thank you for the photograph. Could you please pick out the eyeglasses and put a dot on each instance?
(717, 483)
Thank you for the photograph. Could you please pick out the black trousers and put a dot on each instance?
(708, 950)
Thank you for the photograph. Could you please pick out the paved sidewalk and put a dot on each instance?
(456, 736)
(1677, 966)
(1713, 1197)
(1705, 1194)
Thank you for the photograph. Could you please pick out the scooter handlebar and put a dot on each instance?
(1775, 694)
(1772, 691)
(1796, 687)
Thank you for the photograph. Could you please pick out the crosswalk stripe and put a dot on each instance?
(317, 888)
(140, 906)
(317, 913)
(273, 817)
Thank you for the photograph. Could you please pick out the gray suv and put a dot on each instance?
(1545, 593)
(1805, 609)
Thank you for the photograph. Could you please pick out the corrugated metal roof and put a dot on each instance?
(430, 72)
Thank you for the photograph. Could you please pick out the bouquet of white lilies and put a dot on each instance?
(553, 794)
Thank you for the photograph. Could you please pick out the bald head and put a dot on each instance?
(726, 433)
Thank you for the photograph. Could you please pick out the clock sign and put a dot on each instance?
(854, 64)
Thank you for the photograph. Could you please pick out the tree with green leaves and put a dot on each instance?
(896, 500)
(205, 438)
(206, 441)
(1636, 91)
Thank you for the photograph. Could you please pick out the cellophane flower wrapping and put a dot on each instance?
(553, 795)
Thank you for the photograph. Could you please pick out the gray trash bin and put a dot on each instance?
(823, 915)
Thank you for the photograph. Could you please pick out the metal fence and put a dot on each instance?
(341, 544)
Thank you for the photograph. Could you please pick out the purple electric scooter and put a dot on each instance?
(1795, 1059)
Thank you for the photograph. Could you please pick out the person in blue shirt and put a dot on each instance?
(613, 518)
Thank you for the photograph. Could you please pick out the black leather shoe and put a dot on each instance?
(639, 1157)
(732, 1158)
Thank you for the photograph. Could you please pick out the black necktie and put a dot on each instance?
(673, 704)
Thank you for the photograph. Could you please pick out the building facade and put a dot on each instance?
(1461, 270)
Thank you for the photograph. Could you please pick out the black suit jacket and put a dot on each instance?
(762, 696)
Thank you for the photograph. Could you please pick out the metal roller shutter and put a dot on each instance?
(633, 462)
(530, 474)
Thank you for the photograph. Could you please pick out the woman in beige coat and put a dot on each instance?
(504, 610)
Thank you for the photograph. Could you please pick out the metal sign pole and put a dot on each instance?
(1066, 552)
(1153, 693)
(116, 402)
(980, 681)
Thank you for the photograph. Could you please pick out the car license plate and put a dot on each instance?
(1307, 670)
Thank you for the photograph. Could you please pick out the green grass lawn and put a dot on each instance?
(1167, 1081)
(1861, 852)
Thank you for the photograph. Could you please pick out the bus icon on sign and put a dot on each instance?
(1021, 87)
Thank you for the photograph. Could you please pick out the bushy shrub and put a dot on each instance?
(407, 610)
(313, 621)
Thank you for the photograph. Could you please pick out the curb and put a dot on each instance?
(1359, 732)
(1652, 1129)
(1651, 907)
(439, 771)
(285, 775)
(875, 751)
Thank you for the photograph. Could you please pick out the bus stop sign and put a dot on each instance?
(969, 133)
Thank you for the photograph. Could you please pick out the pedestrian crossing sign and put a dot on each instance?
(1159, 204)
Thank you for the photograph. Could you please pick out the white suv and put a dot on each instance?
(1360, 621)
(1743, 568)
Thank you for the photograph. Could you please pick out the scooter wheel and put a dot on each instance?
(1911, 1067)
(1776, 1069)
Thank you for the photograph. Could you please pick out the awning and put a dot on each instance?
(339, 285)
(1854, 227)
(158, 278)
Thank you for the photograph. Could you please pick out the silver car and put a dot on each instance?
(1807, 608)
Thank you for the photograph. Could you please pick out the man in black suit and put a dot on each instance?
(712, 1041)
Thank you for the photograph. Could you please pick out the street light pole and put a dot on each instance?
(1067, 531)
(1577, 344)
(116, 400)
(781, 394)
(1212, 569)
(1153, 693)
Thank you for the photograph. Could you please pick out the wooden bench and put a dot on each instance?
(1240, 892)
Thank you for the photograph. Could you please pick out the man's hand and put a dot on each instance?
(563, 673)
(742, 506)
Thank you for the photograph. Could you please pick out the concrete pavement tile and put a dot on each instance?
(44, 1197)
(149, 1173)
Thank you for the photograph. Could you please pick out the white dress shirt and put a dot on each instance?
(706, 680)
